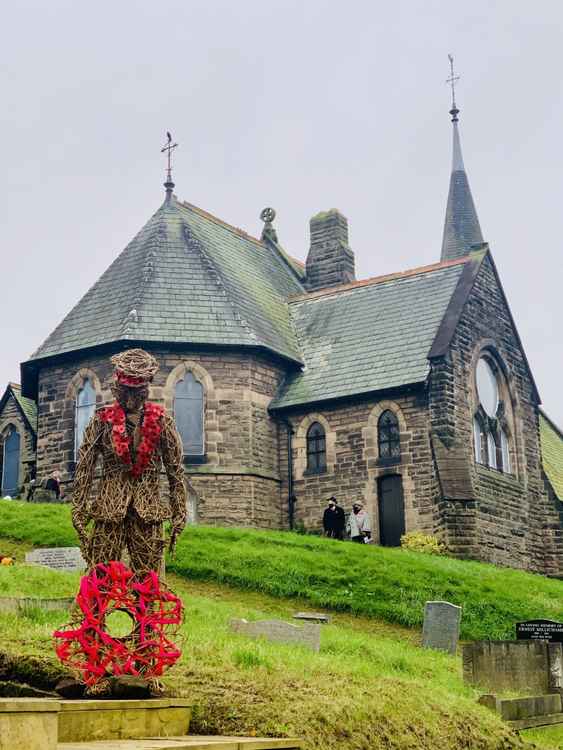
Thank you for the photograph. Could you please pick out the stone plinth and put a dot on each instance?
(28, 724)
(532, 667)
(88, 720)
(193, 742)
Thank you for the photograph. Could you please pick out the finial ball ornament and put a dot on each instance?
(267, 215)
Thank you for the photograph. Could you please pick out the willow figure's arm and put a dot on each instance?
(173, 460)
(87, 457)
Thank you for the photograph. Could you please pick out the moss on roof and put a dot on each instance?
(551, 439)
(187, 277)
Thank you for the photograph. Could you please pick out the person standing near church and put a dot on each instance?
(334, 520)
(359, 524)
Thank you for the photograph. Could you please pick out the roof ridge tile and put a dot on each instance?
(329, 291)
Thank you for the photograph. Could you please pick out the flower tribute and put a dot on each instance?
(88, 649)
(151, 428)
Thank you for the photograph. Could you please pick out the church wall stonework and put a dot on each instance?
(509, 521)
(239, 482)
(353, 465)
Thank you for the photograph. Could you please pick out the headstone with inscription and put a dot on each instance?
(308, 635)
(441, 626)
(540, 630)
(58, 558)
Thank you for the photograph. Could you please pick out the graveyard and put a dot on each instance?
(370, 685)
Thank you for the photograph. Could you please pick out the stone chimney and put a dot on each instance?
(330, 261)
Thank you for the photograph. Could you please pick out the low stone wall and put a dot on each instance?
(530, 667)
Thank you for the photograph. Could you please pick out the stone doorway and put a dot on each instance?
(391, 510)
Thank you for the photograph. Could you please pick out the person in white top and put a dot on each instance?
(359, 524)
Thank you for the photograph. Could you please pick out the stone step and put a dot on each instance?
(192, 742)
(39, 724)
(89, 720)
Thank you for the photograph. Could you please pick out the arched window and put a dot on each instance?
(83, 411)
(316, 449)
(188, 413)
(491, 441)
(388, 437)
(11, 463)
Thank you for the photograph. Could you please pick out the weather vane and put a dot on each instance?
(452, 80)
(169, 147)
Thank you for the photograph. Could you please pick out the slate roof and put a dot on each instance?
(461, 226)
(369, 335)
(26, 405)
(551, 440)
(186, 277)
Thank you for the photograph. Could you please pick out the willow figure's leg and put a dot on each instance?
(145, 542)
(106, 542)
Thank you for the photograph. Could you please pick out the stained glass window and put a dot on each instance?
(316, 449)
(388, 436)
(83, 412)
(188, 414)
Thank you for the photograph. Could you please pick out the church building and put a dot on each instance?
(289, 383)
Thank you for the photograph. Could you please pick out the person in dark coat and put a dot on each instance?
(333, 520)
(54, 484)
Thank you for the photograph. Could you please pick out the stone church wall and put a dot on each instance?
(239, 481)
(510, 520)
(353, 465)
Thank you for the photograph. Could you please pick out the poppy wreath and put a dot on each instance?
(151, 427)
(90, 651)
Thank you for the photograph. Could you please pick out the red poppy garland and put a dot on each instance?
(93, 653)
(151, 427)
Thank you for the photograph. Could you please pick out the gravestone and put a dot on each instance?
(278, 631)
(441, 626)
(57, 558)
(312, 617)
(540, 630)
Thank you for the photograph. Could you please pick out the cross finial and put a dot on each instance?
(452, 80)
(168, 147)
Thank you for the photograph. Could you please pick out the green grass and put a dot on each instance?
(389, 584)
(550, 738)
(19, 580)
(362, 691)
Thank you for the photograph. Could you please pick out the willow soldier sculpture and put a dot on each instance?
(134, 438)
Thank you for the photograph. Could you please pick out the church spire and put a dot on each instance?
(461, 227)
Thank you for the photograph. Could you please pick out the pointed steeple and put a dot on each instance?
(461, 227)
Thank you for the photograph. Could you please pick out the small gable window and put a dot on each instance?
(316, 449)
(388, 437)
(83, 412)
(189, 415)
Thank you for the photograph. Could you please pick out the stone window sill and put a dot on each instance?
(195, 460)
(314, 472)
(487, 471)
(389, 461)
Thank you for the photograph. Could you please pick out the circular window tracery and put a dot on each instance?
(487, 387)
(490, 435)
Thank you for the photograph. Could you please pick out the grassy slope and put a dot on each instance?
(361, 691)
(388, 584)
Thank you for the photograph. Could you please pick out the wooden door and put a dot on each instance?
(391, 510)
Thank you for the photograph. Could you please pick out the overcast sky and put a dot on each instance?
(302, 106)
